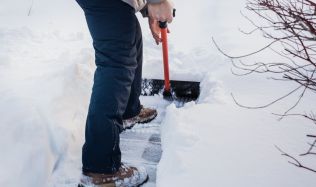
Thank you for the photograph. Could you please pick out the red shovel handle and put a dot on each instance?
(164, 38)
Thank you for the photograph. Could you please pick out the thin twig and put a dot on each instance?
(30, 9)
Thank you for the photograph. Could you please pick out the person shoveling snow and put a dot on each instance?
(115, 104)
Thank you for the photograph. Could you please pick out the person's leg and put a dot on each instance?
(134, 112)
(133, 107)
(113, 27)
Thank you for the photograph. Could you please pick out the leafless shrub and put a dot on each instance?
(292, 25)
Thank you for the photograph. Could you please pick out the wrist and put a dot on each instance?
(155, 1)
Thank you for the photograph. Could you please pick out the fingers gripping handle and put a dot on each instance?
(164, 24)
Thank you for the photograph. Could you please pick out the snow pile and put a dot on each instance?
(46, 71)
(44, 91)
(216, 143)
(223, 145)
(22, 152)
(192, 66)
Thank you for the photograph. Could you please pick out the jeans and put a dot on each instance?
(117, 41)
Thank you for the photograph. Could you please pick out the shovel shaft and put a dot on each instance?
(165, 58)
(164, 36)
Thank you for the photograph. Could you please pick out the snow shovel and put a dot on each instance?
(183, 91)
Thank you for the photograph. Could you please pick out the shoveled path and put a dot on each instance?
(142, 144)
(144, 149)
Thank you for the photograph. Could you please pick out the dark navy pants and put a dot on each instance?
(117, 41)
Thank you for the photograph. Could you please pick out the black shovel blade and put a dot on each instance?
(182, 90)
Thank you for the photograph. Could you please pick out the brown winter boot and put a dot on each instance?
(146, 115)
(127, 176)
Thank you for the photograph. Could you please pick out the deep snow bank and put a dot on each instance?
(216, 144)
(44, 95)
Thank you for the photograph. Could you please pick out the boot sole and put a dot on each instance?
(145, 181)
(149, 119)
(138, 185)
(142, 122)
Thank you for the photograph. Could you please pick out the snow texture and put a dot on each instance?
(46, 71)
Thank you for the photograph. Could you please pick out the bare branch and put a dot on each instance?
(290, 24)
(242, 56)
(269, 104)
(294, 161)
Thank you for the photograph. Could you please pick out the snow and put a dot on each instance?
(221, 145)
(46, 70)
(40, 103)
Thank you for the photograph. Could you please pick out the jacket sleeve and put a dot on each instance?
(154, 1)
(144, 11)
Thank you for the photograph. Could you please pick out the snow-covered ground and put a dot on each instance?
(46, 69)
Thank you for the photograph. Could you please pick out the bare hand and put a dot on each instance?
(155, 30)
